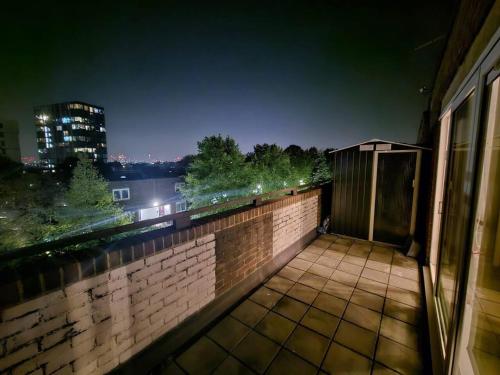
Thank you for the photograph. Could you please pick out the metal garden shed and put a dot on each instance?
(375, 190)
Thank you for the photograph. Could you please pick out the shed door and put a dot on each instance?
(394, 200)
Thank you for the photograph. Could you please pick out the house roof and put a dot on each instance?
(376, 140)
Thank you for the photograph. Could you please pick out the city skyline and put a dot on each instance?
(171, 74)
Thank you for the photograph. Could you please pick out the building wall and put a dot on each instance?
(144, 192)
(9, 140)
(475, 24)
(124, 299)
(68, 129)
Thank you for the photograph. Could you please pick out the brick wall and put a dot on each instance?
(241, 250)
(101, 311)
(293, 222)
(97, 323)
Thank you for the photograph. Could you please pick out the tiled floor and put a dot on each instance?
(338, 307)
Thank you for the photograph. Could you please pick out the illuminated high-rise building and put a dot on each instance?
(69, 129)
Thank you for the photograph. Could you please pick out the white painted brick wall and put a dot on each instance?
(92, 326)
(293, 222)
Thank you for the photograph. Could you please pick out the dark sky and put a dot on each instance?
(312, 73)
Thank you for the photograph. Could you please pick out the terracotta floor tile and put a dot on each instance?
(359, 251)
(308, 345)
(344, 241)
(402, 295)
(328, 261)
(398, 357)
(232, 366)
(330, 304)
(323, 243)
(372, 286)
(399, 331)
(345, 278)
(313, 281)
(404, 283)
(249, 313)
(355, 260)
(375, 275)
(266, 297)
(341, 360)
(338, 247)
(290, 273)
(303, 293)
(350, 268)
(366, 299)
(401, 311)
(320, 321)
(256, 351)
(374, 265)
(363, 317)
(280, 284)
(228, 332)
(288, 363)
(276, 327)
(404, 261)
(378, 369)
(321, 270)
(300, 264)
(315, 249)
(356, 338)
(407, 273)
(291, 308)
(311, 257)
(338, 289)
(380, 257)
(333, 254)
(202, 357)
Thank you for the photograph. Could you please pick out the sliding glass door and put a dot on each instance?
(457, 212)
(479, 348)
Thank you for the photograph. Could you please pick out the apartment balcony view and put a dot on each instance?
(141, 239)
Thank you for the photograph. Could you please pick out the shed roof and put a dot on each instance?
(376, 140)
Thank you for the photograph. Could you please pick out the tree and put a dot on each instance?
(26, 205)
(321, 171)
(88, 203)
(217, 173)
(271, 168)
(302, 162)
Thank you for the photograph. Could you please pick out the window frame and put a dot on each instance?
(120, 190)
(183, 202)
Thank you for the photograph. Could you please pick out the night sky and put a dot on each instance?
(312, 73)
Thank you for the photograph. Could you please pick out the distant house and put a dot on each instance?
(148, 198)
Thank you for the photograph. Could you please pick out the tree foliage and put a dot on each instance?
(26, 205)
(36, 208)
(88, 203)
(302, 162)
(218, 172)
(321, 171)
(270, 168)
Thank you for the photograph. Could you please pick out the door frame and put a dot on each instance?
(474, 80)
(416, 184)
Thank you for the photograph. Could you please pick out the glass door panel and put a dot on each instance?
(457, 212)
(482, 311)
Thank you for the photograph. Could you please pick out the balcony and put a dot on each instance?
(339, 306)
(249, 290)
